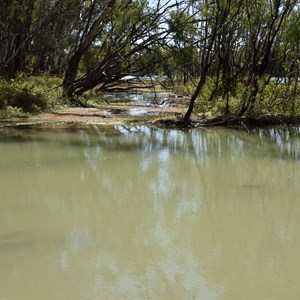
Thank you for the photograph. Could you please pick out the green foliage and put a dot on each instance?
(28, 95)
(279, 99)
(12, 112)
(182, 25)
(91, 98)
(275, 99)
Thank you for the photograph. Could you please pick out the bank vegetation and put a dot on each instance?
(237, 60)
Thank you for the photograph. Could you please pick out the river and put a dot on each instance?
(140, 213)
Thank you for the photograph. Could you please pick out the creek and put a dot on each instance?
(138, 213)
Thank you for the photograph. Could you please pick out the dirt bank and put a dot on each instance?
(110, 114)
(125, 113)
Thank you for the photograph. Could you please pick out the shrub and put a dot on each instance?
(274, 99)
(28, 101)
(28, 95)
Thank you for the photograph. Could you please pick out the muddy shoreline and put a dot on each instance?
(106, 115)
(168, 117)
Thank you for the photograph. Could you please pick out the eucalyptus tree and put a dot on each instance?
(119, 32)
(54, 36)
(34, 35)
(212, 17)
(264, 23)
(286, 56)
(236, 42)
(15, 23)
(95, 17)
(181, 45)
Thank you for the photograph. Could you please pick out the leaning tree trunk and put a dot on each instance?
(198, 90)
(206, 61)
(73, 63)
(71, 73)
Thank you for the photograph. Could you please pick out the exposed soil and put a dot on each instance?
(107, 114)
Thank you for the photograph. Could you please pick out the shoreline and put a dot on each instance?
(169, 117)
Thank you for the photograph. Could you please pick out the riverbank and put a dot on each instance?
(120, 112)
(103, 115)
(240, 122)
(126, 114)
(36, 102)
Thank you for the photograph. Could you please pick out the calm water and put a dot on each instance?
(149, 214)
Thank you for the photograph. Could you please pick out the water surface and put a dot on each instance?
(138, 213)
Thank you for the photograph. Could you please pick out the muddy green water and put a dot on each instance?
(149, 214)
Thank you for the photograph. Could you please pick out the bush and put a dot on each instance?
(28, 95)
(12, 112)
(11, 94)
(29, 102)
(275, 99)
